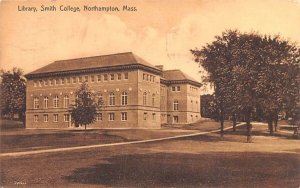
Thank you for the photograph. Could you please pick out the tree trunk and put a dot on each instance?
(275, 121)
(248, 124)
(84, 132)
(270, 125)
(222, 127)
(222, 122)
(234, 122)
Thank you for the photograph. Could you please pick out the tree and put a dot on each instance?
(208, 107)
(228, 61)
(86, 106)
(13, 93)
(249, 73)
(278, 86)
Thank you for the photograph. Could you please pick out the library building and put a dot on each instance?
(136, 94)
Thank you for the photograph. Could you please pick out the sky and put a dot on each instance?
(161, 31)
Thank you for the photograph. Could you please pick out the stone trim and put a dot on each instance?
(94, 70)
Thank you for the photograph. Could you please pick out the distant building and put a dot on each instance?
(135, 93)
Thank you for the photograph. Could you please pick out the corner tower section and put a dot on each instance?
(180, 98)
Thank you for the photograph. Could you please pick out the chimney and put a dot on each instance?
(160, 67)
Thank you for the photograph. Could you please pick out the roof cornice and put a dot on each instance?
(94, 70)
(186, 81)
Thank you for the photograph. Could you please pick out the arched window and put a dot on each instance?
(45, 102)
(124, 97)
(36, 103)
(66, 101)
(175, 105)
(112, 99)
(55, 101)
(145, 98)
(153, 99)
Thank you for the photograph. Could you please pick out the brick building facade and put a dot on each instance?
(135, 93)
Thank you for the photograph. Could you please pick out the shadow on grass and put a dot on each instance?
(192, 170)
(6, 124)
(259, 131)
(12, 143)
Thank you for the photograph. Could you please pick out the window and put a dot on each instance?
(144, 76)
(153, 99)
(55, 117)
(92, 78)
(192, 104)
(99, 117)
(50, 82)
(119, 76)
(112, 100)
(66, 101)
(45, 102)
(36, 103)
(45, 117)
(124, 98)
(112, 77)
(40, 83)
(145, 116)
(175, 119)
(68, 80)
(153, 78)
(153, 116)
(34, 84)
(100, 99)
(36, 118)
(80, 79)
(74, 80)
(145, 98)
(105, 77)
(111, 116)
(175, 105)
(55, 101)
(62, 81)
(99, 78)
(45, 82)
(56, 81)
(124, 116)
(86, 78)
(175, 88)
(126, 76)
(66, 117)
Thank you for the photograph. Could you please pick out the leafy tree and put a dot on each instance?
(278, 86)
(249, 73)
(208, 107)
(224, 60)
(13, 93)
(86, 106)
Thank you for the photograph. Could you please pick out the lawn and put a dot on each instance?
(199, 161)
(15, 139)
